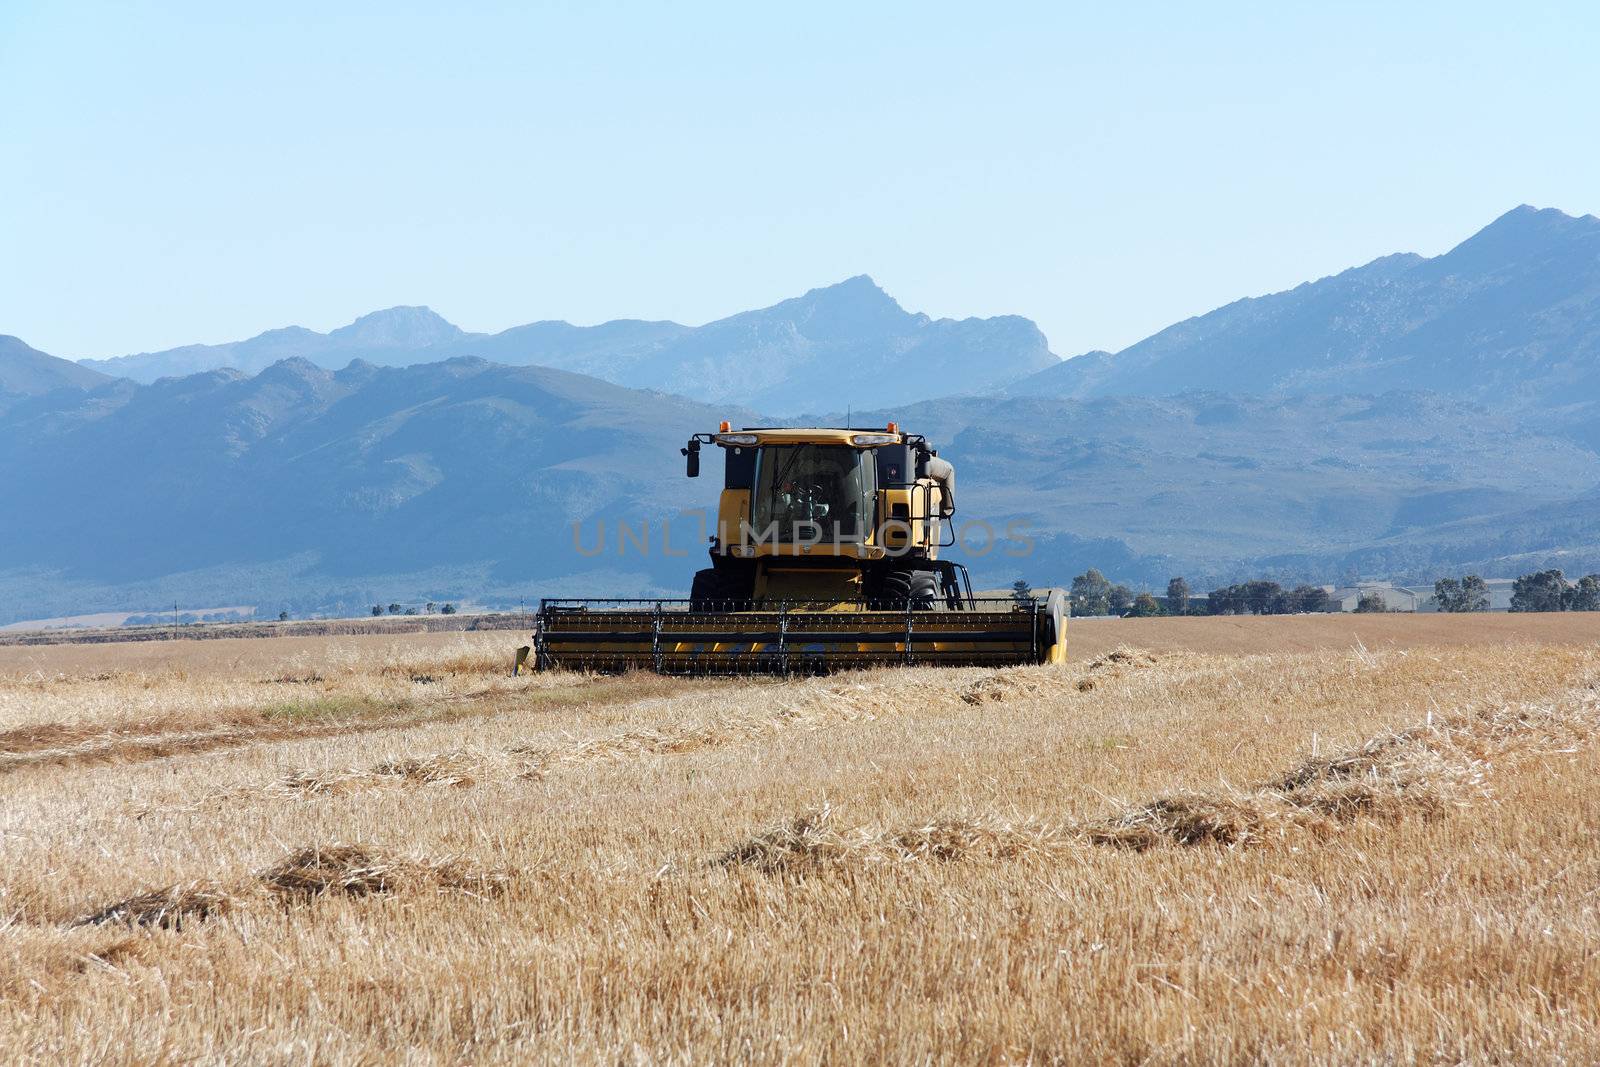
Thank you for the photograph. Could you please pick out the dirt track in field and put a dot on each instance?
(237, 655)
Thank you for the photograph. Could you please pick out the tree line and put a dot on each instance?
(1268, 598)
(1094, 594)
(429, 608)
(1550, 591)
(1540, 591)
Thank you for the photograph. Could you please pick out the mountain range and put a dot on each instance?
(1511, 316)
(26, 372)
(1404, 419)
(783, 359)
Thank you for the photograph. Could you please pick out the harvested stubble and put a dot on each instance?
(811, 843)
(169, 907)
(325, 716)
(1114, 664)
(1420, 772)
(1005, 685)
(1123, 656)
(1469, 935)
(1192, 819)
(361, 688)
(346, 870)
(821, 707)
(356, 870)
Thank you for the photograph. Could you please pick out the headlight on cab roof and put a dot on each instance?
(737, 438)
(863, 440)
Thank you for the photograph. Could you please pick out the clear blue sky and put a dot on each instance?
(176, 173)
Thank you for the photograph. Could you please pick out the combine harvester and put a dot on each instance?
(825, 557)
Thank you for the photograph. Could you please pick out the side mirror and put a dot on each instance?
(692, 451)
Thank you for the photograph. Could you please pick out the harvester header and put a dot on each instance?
(825, 555)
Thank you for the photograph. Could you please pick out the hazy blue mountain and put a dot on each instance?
(27, 372)
(788, 357)
(398, 335)
(1562, 535)
(1511, 316)
(464, 479)
(800, 354)
(395, 328)
(1404, 419)
(609, 351)
(299, 480)
(1218, 486)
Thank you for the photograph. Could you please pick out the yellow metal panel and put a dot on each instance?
(823, 549)
(841, 585)
(894, 509)
(733, 512)
(906, 513)
(810, 436)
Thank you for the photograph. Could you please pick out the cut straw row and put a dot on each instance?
(1421, 771)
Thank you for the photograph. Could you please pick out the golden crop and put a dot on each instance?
(1325, 840)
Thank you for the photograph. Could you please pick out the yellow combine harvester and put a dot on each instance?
(825, 556)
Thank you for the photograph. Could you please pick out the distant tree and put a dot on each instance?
(1371, 602)
(283, 616)
(1144, 606)
(1263, 598)
(1178, 596)
(1541, 591)
(377, 609)
(394, 609)
(1091, 594)
(448, 609)
(1468, 594)
(1224, 600)
(1304, 599)
(1119, 600)
(1256, 598)
(411, 611)
(1021, 591)
(430, 607)
(1584, 594)
(1447, 594)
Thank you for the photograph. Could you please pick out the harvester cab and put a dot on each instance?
(824, 555)
(837, 520)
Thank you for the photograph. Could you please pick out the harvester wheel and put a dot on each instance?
(899, 590)
(718, 590)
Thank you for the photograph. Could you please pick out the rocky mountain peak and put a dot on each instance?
(396, 327)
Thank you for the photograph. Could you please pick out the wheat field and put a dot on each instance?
(1293, 841)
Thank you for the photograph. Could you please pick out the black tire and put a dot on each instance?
(714, 589)
(902, 589)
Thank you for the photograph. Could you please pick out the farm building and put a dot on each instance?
(1410, 598)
